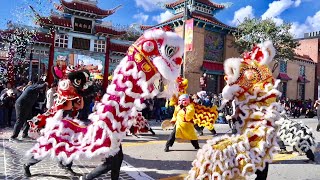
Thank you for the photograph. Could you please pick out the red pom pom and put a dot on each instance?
(178, 60)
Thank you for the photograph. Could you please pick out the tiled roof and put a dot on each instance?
(43, 37)
(284, 76)
(209, 19)
(55, 20)
(303, 57)
(106, 30)
(206, 2)
(145, 27)
(86, 7)
(196, 16)
(119, 47)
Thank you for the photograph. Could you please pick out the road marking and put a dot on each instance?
(179, 177)
(140, 143)
(4, 159)
(282, 157)
(134, 172)
(277, 158)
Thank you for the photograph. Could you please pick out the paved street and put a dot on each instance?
(145, 159)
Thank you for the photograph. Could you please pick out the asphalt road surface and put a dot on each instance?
(145, 159)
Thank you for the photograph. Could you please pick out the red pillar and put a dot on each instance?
(106, 65)
(51, 57)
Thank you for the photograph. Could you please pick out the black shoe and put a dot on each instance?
(197, 148)
(283, 151)
(166, 149)
(26, 169)
(71, 172)
(153, 133)
(61, 165)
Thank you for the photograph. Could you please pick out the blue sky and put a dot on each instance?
(304, 14)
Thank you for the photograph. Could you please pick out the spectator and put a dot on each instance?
(8, 100)
(157, 109)
(23, 108)
(29, 84)
(50, 95)
(196, 99)
(207, 101)
(2, 86)
(317, 106)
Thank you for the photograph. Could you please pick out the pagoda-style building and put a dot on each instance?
(78, 36)
(209, 41)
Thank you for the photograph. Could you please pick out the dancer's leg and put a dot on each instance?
(111, 163)
(32, 161)
(171, 139)
(195, 144)
(310, 155)
(283, 149)
(151, 130)
(262, 175)
(116, 165)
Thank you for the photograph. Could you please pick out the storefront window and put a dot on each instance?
(284, 89)
(99, 46)
(283, 67)
(301, 91)
(302, 70)
(61, 41)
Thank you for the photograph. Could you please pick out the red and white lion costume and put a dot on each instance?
(157, 54)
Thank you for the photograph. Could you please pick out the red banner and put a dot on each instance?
(188, 42)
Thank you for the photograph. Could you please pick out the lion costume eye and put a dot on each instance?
(148, 46)
(77, 82)
(64, 85)
(170, 51)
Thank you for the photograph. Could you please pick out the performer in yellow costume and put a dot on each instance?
(183, 119)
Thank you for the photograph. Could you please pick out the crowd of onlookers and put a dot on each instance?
(10, 93)
(297, 108)
(156, 108)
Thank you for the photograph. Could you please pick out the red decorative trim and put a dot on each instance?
(51, 58)
(302, 79)
(212, 66)
(43, 38)
(145, 27)
(206, 2)
(106, 30)
(86, 7)
(55, 20)
(284, 76)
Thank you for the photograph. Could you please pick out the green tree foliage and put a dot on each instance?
(254, 31)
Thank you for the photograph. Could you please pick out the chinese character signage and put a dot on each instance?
(80, 43)
(82, 25)
(189, 35)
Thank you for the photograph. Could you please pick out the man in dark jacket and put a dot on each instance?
(8, 100)
(23, 108)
